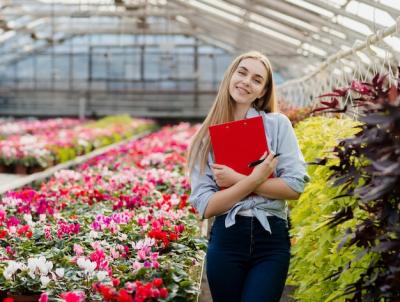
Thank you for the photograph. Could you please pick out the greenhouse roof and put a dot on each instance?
(297, 35)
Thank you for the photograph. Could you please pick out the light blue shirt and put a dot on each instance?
(291, 168)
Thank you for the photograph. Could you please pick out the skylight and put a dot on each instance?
(314, 49)
(312, 7)
(215, 11)
(274, 34)
(370, 13)
(292, 20)
(354, 25)
(392, 3)
(100, 2)
(224, 6)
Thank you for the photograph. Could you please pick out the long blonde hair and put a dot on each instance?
(222, 109)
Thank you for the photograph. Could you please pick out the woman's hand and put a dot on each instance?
(224, 176)
(262, 171)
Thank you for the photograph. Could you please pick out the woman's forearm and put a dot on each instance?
(225, 199)
(273, 188)
(276, 188)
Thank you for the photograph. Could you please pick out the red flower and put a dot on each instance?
(163, 292)
(183, 201)
(108, 293)
(124, 296)
(8, 299)
(3, 233)
(157, 282)
(115, 282)
(193, 210)
(73, 297)
(173, 237)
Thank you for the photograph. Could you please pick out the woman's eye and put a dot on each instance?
(257, 81)
(241, 72)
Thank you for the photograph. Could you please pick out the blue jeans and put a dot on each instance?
(245, 263)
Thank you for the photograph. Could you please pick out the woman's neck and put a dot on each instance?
(240, 111)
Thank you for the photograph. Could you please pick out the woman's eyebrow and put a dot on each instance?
(257, 75)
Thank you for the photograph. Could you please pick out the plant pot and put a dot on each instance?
(3, 168)
(25, 298)
(35, 169)
(21, 169)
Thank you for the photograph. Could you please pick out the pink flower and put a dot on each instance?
(78, 249)
(44, 297)
(73, 297)
(2, 215)
(130, 287)
(136, 265)
(142, 254)
(9, 250)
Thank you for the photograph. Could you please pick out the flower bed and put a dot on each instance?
(52, 147)
(117, 229)
(20, 127)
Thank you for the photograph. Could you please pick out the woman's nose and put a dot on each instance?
(246, 81)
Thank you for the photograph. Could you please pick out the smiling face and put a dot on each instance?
(248, 81)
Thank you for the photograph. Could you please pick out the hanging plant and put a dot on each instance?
(369, 169)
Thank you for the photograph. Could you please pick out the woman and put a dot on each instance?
(249, 248)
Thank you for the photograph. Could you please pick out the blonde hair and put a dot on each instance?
(222, 110)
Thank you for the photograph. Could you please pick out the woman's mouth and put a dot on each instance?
(242, 90)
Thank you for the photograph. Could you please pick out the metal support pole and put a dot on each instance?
(196, 73)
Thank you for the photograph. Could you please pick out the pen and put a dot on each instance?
(259, 161)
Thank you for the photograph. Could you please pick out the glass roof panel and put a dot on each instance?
(225, 6)
(354, 25)
(215, 11)
(392, 3)
(335, 3)
(293, 20)
(273, 33)
(311, 7)
(370, 13)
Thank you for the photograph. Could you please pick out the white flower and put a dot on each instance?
(40, 265)
(80, 262)
(91, 266)
(32, 264)
(44, 266)
(93, 235)
(11, 269)
(101, 275)
(60, 272)
(45, 280)
(87, 265)
(123, 237)
(28, 217)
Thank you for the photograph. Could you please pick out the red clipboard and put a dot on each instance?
(238, 143)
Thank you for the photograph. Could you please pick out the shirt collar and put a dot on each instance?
(252, 112)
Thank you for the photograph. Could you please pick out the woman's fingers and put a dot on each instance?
(217, 166)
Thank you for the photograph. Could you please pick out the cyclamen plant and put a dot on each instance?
(369, 170)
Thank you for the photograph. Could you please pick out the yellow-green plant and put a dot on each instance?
(316, 258)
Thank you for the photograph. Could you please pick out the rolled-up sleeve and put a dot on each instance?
(203, 187)
(291, 165)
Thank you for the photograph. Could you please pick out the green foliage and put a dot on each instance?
(314, 268)
(106, 122)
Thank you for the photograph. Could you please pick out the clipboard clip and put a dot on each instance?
(259, 161)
